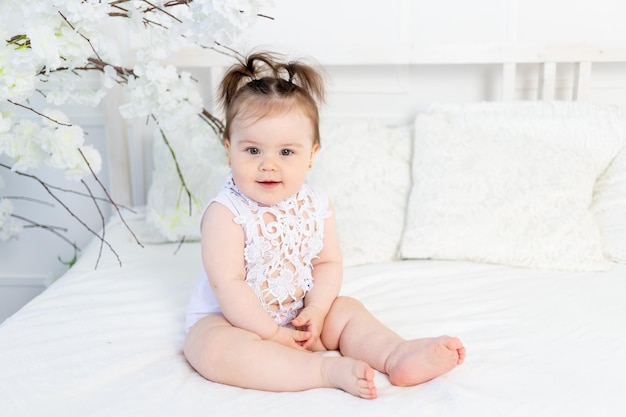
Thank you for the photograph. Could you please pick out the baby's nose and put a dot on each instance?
(268, 164)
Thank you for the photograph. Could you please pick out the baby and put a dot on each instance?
(267, 298)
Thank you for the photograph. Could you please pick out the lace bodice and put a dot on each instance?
(281, 242)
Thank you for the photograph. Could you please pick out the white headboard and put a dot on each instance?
(394, 83)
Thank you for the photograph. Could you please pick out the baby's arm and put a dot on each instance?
(327, 276)
(222, 246)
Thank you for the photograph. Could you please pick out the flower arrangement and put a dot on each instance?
(47, 47)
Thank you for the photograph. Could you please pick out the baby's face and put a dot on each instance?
(271, 156)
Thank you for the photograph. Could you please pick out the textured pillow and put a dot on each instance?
(364, 166)
(202, 160)
(511, 183)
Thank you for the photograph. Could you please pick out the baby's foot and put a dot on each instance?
(352, 376)
(420, 360)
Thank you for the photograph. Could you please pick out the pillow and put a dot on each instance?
(511, 183)
(170, 214)
(364, 167)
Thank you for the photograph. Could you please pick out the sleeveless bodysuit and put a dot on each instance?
(281, 242)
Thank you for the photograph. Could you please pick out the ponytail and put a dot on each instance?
(270, 84)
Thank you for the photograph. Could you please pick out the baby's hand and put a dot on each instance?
(291, 338)
(311, 320)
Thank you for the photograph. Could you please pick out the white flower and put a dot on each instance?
(57, 31)
(224, 21)
(22, 145)
(54, 143)
(76, 167)
(61, 143)
(54, 117)
(161, 91)
(74, 48)
(18, 78)
(9, 226)
(44, 40)
(109, 76)
(13, 13)
(65, 86)
(85, 14)
(6, 121)
(177, 222)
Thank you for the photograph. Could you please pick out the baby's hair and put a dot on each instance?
(261, 84)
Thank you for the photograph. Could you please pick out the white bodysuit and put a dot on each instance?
(281, 242)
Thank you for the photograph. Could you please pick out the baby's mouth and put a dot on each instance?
(269, 184)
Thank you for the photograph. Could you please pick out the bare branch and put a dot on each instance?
(180, 244)
(184, 186)
(52, 229)
(65, 190)
(154, 6)
(83, 36)
(38, 113)
(215, 123)
(230, 52)
(102, 220)
(110, 200)
(69, 211)
(32, 200)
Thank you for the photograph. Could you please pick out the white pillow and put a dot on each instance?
(511, 183)
(202, 160)
(364, 167)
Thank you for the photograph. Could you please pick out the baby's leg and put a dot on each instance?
(353, 330)
(229, 355)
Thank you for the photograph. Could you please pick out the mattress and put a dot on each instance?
(107, 341)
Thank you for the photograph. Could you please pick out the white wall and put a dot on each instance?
(35, 253)
(302, 27)
(34, 260)
(305, 23)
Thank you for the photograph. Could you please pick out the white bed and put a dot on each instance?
(541, 340)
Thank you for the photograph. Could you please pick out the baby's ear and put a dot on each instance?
(316, 147)
(227, 146)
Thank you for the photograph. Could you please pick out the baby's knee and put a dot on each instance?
(345, 303)
(201, 347)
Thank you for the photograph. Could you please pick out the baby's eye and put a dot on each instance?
(253, 151)
(286, 152)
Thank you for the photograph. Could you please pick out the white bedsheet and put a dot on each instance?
(108, 342)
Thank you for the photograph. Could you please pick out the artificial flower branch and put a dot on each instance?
(39, 113)
(56, 41)
(65, 190)
(79, 33)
